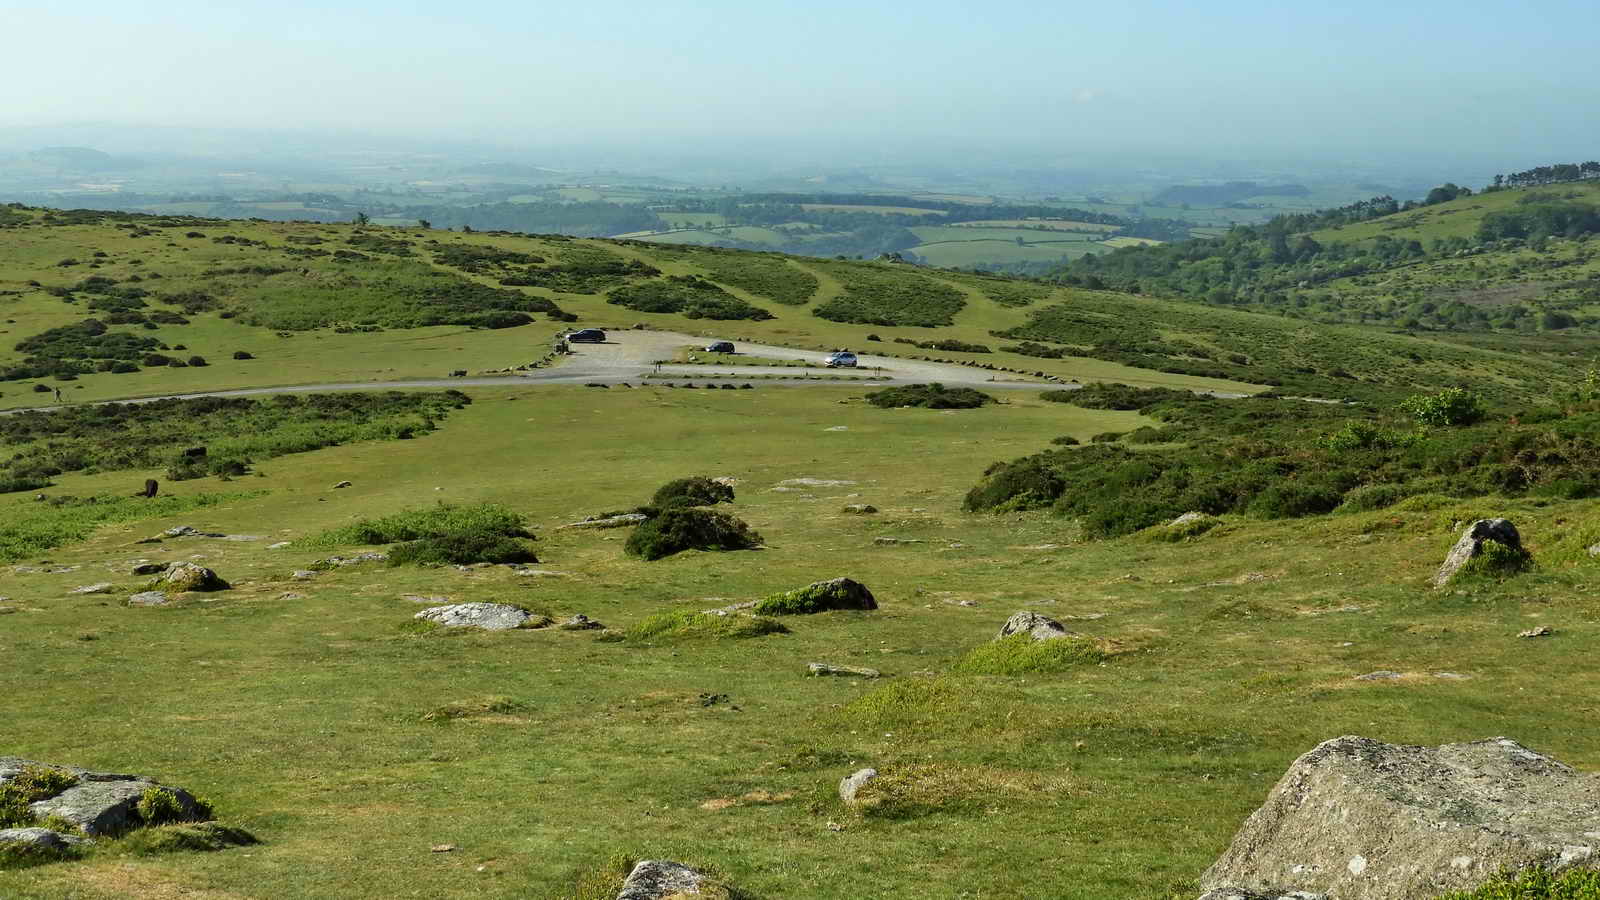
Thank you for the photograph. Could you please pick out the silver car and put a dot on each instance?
(841, 359)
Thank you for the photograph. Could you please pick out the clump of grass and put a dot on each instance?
(1020, 654)
(689, 624)
(1496, 561)
(924, 788)
(160, 806)
(696, 490)
(1535, 884)
(22, 856)
(187, 836)
(944, 708)
(689, 528)
(31, 784)
(488, 706)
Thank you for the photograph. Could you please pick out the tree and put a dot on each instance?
(361, 218)
(424, 223)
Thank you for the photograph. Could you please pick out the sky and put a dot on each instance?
(1512, 81)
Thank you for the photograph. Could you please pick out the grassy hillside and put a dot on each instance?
(309, 303)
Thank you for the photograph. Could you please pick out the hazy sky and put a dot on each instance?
(1476, 78)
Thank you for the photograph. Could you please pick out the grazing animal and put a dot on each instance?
(150, 487)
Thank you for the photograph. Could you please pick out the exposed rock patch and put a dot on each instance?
(488, 616)
(149, 598)
(820, 669)
(621, 520)
(1360, 819)
(103, 587)
(819, 596)
(101, 803)
(851, 784)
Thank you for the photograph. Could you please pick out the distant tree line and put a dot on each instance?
(1542, 175)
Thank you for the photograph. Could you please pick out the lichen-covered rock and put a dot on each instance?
(1360, 819)
(187, 576)
(488, 616)
(100, 802)
(1501, 531)
(41, 839)
(149, 568)
(658, 879)
(819, 596)
(853, 783)
(149, 598)
(1040, 628)
(621, 520)
(103, 587)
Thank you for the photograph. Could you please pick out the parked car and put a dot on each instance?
(587, 336)
(841, 359)
(720, 347)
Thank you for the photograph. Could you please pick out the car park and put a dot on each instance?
(720, 347)
(841, 359)
(587, 336)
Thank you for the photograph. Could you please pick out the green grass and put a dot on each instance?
(1020, 654)
(31, 530)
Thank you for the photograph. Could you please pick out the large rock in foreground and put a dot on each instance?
(1359, 819)
(100, 802)
(488, 616)
(658, 879)
(186, 576)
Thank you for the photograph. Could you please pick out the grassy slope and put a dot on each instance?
(301, 717)
(308, 357)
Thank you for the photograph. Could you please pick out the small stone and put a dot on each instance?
(1382, 675)
(419, 598)
(617, 521)
(302, 574)
(181, 531)
(580, 622)
(821, 669)
(150, 568)
(851, 784)
(1541, 631)
(291, 595)
(279, 545)
(893, 541)
(443, 848)
(149, 598)
(342, 484)
(859, 509)
(539, 573)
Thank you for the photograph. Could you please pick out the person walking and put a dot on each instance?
(58, 395)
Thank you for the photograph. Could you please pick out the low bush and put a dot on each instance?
(1020, 654)
(697, 490)
(928, 396)
(242, 354)
(462, 548)
(689, 528)
(430, 522)
(690, 295)
(840, 593)
(31, 784)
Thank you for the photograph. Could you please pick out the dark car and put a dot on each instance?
(720, 347)
(587, 336)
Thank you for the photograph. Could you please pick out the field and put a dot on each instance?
(541, 754)
(876, 210)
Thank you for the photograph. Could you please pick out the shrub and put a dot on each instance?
(840, 593)
(1066, 440)
(689, 528)
(462, 548)
(242, 354)
(683, 624)
(1292, 499)
(159, 806)
(41, 389)
(696, 490)
(184, 468)
(419, 524)
(1372, 496)
(1020, 654)
(928, 396)
(1449, 407)
(198, 361)
(1028, 483)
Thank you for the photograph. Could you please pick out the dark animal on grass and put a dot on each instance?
(195, 453)
(150, 487)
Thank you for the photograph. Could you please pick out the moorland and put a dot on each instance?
(315, 712)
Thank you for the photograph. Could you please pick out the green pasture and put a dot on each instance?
(1456, 218)
(877, 210)
(959, 254)
(352, 745)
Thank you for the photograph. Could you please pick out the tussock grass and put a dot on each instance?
(688, 624)
(922, 789)
(1020, 654)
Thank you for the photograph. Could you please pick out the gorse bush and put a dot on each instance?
(429, 522)
(928, 396)
(1535, 884)
(697, 490)
(474, 545)
(689, 528)
(31, 784)
(1449, 407)
(694, 297)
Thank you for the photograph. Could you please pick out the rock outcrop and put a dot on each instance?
(819, 596)
(187, 576)
(1040, 628)
(488, 616)
(659, 879)
(820, 669)
(851, 784)
(100, 803)
(1359, 819)
(1501, 531)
